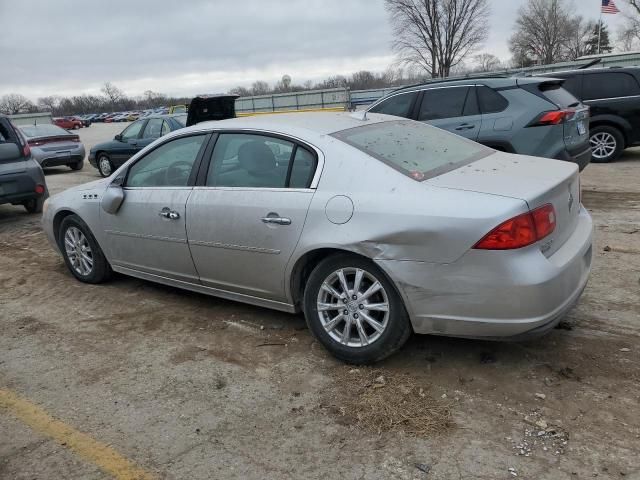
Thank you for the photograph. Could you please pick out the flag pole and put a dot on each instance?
(599, 30)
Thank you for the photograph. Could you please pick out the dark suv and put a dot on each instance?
(531, 116)
(21, 178)
(614, 97)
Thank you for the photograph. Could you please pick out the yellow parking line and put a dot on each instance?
(82, 444)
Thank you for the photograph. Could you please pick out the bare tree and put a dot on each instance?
(49, 103)
(487, 62)
(580, 39)
(437, 35)
(629, 33)
(260, 88)
(113, 93)
(543, 30)
(15, 103)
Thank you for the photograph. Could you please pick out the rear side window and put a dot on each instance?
(398, 105)
(609, 85)
(572, 85)
(442, 103)
(419, 151)
(557, 95)
(490, 100)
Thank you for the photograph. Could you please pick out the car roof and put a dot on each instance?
(301, 124)
(634, 70)
(489, 81)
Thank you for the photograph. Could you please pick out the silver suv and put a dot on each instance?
(530, 116)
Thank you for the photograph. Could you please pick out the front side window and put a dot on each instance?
(259, 161)
(132, 131)
(153, 128)
(169, 165)
(419, 151)
(398, 105)
(441, 103)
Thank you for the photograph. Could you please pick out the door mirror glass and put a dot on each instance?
(112, 199)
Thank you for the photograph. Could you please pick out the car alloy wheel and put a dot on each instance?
(78, 251)
(104, 166)
(353, 307)
(603, 145)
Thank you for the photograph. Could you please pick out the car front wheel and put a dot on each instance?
(105, 167)
(82, 254)
(607, 144)
(354, 310)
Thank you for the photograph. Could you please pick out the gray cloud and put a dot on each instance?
(67, 46)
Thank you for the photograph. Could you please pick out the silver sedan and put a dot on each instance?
(374, 227)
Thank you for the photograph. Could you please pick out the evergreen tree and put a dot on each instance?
(592, 42)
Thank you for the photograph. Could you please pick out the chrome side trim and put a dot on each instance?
(230, 246)
(215, 292)
(148, 237)
(610, 98)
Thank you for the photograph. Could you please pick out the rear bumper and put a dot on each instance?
(580, 156)
(19, 187)
(75, 155)
(496, 294)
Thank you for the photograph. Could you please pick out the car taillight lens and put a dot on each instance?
(520, 231)
(26, 151)
(555, 117)
(39, 189)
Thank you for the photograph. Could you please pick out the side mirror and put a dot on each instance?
(112, 199)
(118, 137)
(9, 151)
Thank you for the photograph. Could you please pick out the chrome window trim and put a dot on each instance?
(610, 98)
(261, 189)
(417, 91)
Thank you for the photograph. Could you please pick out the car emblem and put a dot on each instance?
(570, 199)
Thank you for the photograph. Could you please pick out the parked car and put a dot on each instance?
(613, 94)
(178, 109)
(68, 123)
(101, 117)
(108, 156)
(531, 116)
(375, 227)
(22, 181)
(52, 146)
(84, 121)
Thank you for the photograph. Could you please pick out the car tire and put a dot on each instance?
(34, 205)
(372, 334)
(77, 166)
(82, 254)
(607, 144)
(76, 127)
(105, 167)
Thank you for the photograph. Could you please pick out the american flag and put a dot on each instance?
(609, 6)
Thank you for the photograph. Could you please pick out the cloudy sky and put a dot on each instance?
(67, 47)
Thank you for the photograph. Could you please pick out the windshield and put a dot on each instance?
(43, 130)
(419, 151)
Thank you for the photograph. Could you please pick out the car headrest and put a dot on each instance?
(256, 157)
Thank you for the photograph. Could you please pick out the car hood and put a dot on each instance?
(95, 185)
(106, 145)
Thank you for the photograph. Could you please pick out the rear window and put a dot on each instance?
(419, 151)
(557, 95)
(42, 130)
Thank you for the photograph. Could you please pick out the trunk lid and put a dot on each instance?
(537, 181)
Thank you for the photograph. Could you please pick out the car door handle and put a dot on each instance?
(465, 126)
(166, 212)
(277, 220)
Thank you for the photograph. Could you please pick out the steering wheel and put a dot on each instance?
(174, 175)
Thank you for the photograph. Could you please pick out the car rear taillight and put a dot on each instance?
(520, 231)
(554, 117)
(26, 151)
(39, 189)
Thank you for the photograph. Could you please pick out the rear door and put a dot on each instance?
(245, 219)
(151, 132)
(452, 108)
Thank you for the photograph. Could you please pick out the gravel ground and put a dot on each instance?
(187, 386)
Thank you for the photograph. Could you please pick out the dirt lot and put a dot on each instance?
(146, 381)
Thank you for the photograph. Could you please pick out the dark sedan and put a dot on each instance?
(108, 156)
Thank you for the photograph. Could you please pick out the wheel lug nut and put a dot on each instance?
(354, 297)
(344, 300)
(355, 315)
(361, 307)
(346, 312)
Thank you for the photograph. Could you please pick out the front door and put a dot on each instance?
(244, 223)
(452, 108)
(148, 233)
(127, 143)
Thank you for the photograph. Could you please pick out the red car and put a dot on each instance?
(67, 123)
